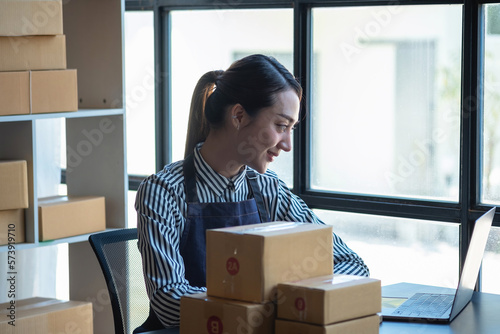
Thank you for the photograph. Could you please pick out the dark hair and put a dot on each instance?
(252, 81)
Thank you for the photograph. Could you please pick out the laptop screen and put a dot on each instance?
(472, 263)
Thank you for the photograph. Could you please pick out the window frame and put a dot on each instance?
(463, 213)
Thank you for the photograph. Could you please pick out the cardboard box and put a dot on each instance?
(36, 92)
(204, 314)
(11, 226)
(63, 216)
(31, 17)
(366, 325)
(14, 93)
(45, 315)
(329, 299)
(247, 262)
(13, 185)
(33, 53)
(54, 91)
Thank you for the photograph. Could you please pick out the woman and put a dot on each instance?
(240, 121)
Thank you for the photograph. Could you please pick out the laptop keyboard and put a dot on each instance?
(425, 305)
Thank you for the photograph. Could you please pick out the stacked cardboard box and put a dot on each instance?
(244, 266)
(329, 304)
(13, 200)
(46, 315)
(33, 74)
(207, 314)
(66, 216)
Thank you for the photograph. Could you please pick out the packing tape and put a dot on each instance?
(331, 279)
(340, 278)
(270, 228)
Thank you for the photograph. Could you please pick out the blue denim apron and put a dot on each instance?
(203, 216)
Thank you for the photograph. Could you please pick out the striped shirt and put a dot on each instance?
(161, 211)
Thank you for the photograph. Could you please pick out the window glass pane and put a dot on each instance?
(50, 156)
(232, 34)
(131, 213)
(491, 91)
(140, 92)
(400, 250)
(491, 263)
(386, 100)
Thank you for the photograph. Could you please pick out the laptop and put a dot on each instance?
(428, 306)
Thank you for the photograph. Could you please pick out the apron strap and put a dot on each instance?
(257, 195)
(190, 179)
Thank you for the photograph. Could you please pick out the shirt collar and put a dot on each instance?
(215, 181)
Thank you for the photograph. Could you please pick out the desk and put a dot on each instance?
(481, 316)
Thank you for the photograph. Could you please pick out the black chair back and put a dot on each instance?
(121, 265)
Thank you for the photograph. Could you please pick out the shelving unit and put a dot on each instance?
(95, 141)
(96, 170)
(74, 114)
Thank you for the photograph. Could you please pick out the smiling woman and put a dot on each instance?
(255, 141)
(256, 89)
(247, 117)
(240, 120)
(240, 32)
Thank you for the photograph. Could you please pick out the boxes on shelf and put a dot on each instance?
(33, 92)
(247, 262)
(31, 17)
(365, 325)
(200, 312)
(63, 216)
(13, 184)
(14, 93)
(33, 53)
(11, 226)
(54, 91)
(45, 315)
(329, 299)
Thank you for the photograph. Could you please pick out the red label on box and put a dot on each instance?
(214, 325)
(232, 266)
(300, 304)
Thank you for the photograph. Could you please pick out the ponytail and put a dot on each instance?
(197, 124)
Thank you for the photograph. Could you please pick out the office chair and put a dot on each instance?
(121, 265)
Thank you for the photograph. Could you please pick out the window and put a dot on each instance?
(233, 35)
(491, 141)
(400, 250)
(491, 263)
(140, 92)
(140, 100)
(399, 150)
(385, 100)
(491, 122)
